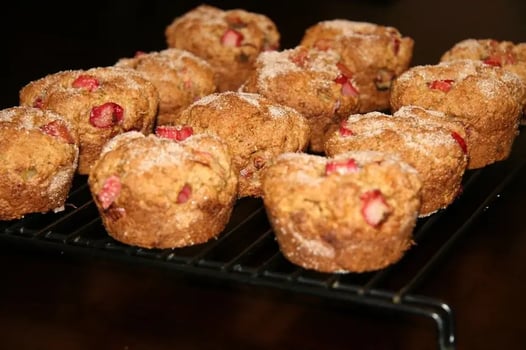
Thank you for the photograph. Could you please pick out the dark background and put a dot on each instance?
(43, 37)
(50, 300)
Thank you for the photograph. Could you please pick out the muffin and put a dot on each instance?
(159, 192)
(354, 212)
(427, 140)
(230, 40)
(254, 128)
(100, 102)
(375, 55)
(483, 97)
(314, 82)
(505, 54)
(39, 153)
(179, 76)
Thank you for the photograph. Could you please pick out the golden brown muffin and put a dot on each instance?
(255, 129)
(100, 102)
(157, 192)
(427, 140)
(505, 54)
(179, 76)
(375, 55)
(482, 96)
(352, 213)
(314, 82)
(39, 154)
(229, 39)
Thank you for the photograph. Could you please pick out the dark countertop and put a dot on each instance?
(52, 299)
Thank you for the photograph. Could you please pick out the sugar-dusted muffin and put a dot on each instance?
(354, 212)
(179, 76)
(505, 54)
(373, 53)
(39, 155)
(255, 129)
(100, 102)
(429, 141)
(314, 82)
(162, 192)
(484, 97)
(229, 39)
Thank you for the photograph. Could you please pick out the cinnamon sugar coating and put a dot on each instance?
(39, 154)
(312, 81)
(329, 222)
(483, 97)
(254, 128)
(375, 55)
(155, 192)
(100, 102)
(427, 140)
(179, 76)
(230, 40)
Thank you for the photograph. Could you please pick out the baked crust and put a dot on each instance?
(154, 192)
(38, 159)
(78, 95)
(320, 219)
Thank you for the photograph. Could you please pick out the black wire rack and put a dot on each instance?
(247, 252)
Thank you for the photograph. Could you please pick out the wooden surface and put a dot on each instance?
(50, 300)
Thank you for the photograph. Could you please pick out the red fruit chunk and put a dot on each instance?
(185, 194)
(38, 102)
(177, 133)
(106, 115)
(348, 89)
(442, 85)
(499, 60)
(139, 53)
(493, 61)
(231, 38)
(461, 141)
(300, 57)
(109, 192)
(341, 167)
(374, 207)
(87, 82)
(344, 80)
(58, 129)
(344, 130)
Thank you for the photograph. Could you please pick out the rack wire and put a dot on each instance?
(247, 252)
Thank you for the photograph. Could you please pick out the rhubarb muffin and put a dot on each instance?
(100, 102)
(427, 140)
(483, 97)
(230, 40)
(39, 154)
(162, 191)
(179, 76)
(373, 53)
(255, 129)
(354, 212)
(314, 82)
(505, 54)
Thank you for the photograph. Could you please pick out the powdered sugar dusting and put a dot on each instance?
(355, 28)
(314, 246)
(120, 139)
(275, 63)
(251, 98)
(487, 87)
